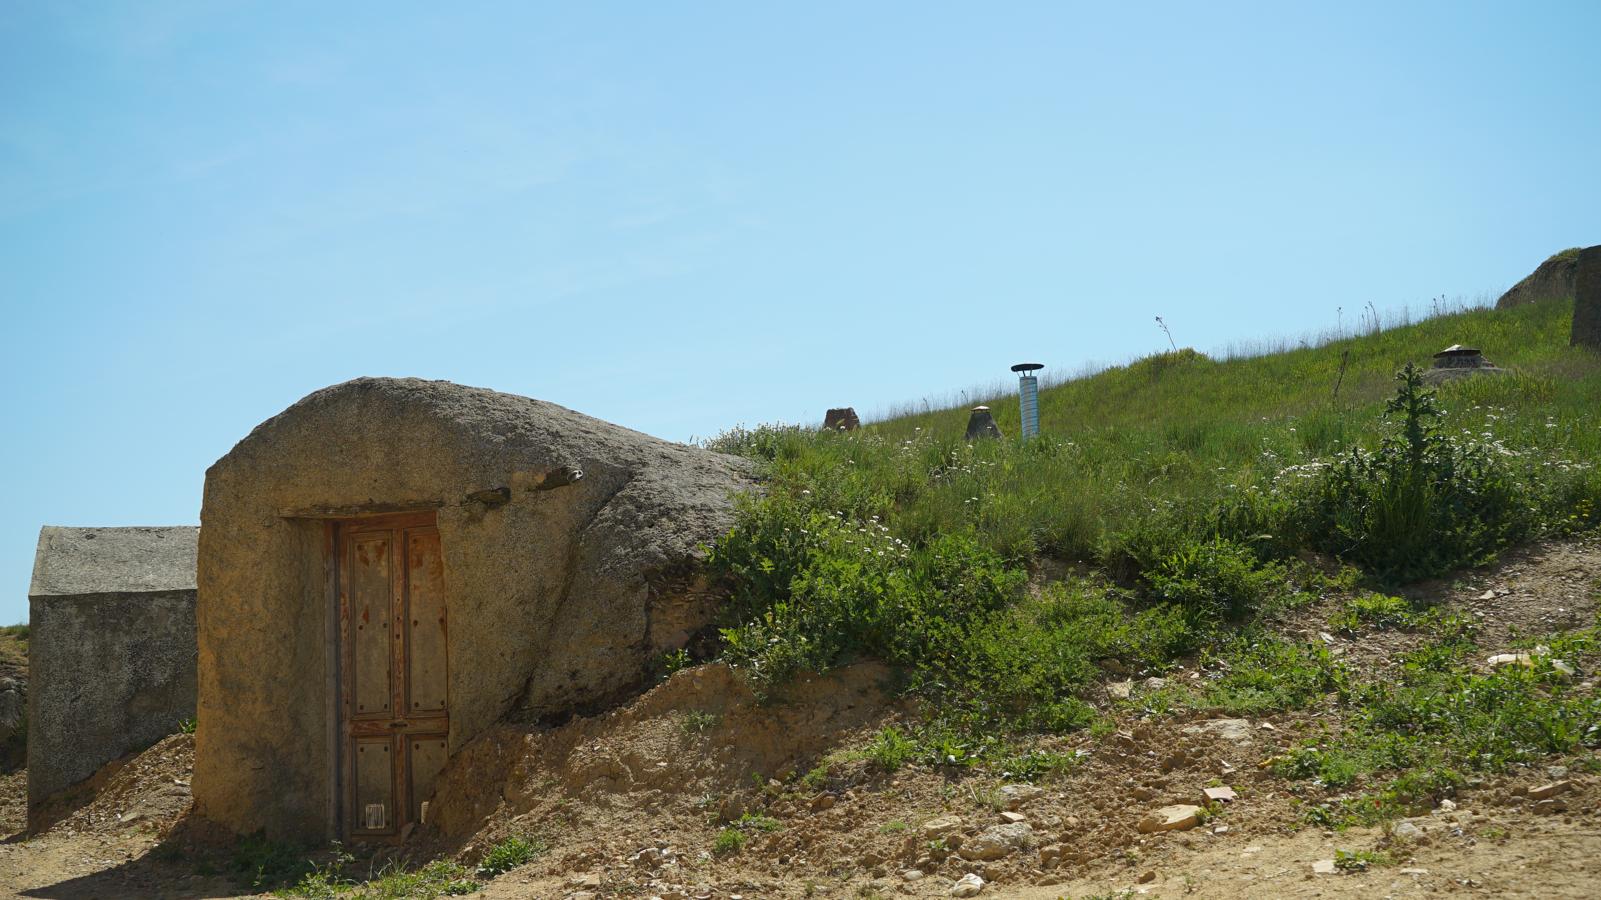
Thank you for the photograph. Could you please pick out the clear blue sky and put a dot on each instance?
(682, 216)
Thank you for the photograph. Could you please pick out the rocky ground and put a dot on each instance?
(640, 801)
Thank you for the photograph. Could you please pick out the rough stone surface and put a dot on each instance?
(936, 828)
(13, 714)
(841, 419)
(1587, 299)
(981, 424)
(997, 841)
(1171, 818)
(969, 885)
(1015, 796)
(571, 550)
(111, 649)
(1237, 731)
(1552, 280)
(1547, 791)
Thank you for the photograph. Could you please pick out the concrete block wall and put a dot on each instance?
(111, 661)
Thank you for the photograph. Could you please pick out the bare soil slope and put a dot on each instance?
(632, 803)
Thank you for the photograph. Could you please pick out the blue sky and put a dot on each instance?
(684, 216)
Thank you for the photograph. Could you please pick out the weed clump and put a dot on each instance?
(1421, 504)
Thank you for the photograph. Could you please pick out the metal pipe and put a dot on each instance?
(1028, 398)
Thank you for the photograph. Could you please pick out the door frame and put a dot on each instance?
(340, 764)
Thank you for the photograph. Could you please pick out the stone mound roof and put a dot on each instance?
(77, 561)
(670, 498)
(1554, 279)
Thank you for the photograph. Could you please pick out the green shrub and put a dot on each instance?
(890, 749)
(728, 842)
(1216, 580)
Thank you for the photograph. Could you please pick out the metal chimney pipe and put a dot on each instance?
(1028, 398)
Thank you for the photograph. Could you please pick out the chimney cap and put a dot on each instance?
(1027, 367)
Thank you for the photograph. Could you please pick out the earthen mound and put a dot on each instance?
(1553, 280)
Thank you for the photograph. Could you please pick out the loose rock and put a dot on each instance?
(1171, 818)
(1015, 795)
(1547, 791)
(997, 841)
(968, 885)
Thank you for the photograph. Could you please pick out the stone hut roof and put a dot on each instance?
(79, 561)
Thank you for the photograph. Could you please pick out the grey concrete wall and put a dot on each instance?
(110, 671)
(1587, 299)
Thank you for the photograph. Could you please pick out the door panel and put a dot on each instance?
(393, 697)
(371, 592)
(427, 758)
(374, 786)
(426, 619)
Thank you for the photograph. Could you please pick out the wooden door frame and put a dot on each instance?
(340, 772)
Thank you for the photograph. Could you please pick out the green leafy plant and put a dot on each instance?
(729, 841)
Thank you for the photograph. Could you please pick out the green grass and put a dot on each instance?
(1411, 738)
(14, 643)
(508, 854)
(394, 881)
(1187, 493)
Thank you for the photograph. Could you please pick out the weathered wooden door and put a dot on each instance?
(395, 717)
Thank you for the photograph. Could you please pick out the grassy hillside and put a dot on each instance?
(1192, 501)
(1179, 428)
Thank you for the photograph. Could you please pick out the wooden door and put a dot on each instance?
(395, 712)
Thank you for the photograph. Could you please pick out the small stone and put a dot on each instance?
(1324, 867)
(912, 875)
(822, 802)
(1014, 796)
(997, 841)
(1407, 831)
(1546, 807)
(1171, 818)
(1325, 637)
(1142, 794)
(1448, 806)
(969, 885)
(1220, 795)
(1155, 684)
(1413, 871)
(1487, 595)
(1012, 818)
(1120, 690)
(942, 826)
(1221, 829)
(1147, 877)
(1547, 791)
